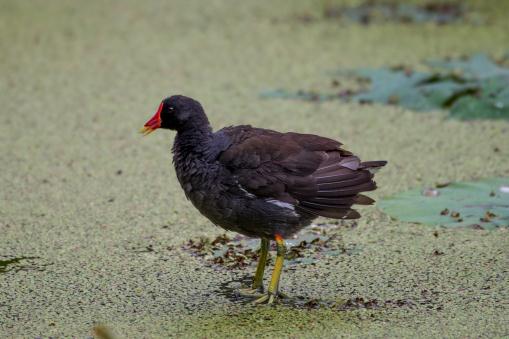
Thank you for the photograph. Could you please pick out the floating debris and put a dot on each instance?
(430, 192)
(239, 252)
(438, 252)
(360, 302)
(305, 95)
(488, 216)
(348, 304)
(230, 290)
(370, 11)
(102, 332)
(442, 184)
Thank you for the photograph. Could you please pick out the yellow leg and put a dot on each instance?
(264, 250)
(260, 269)
(272, 292)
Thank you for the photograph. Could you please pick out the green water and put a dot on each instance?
(81, 189)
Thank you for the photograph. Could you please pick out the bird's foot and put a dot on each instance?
(270, 298)
(251, 292)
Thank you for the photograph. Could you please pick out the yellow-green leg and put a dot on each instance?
(272, 292)
(264, 251)
(257, 286)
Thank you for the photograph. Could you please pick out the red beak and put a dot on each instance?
(154, 122)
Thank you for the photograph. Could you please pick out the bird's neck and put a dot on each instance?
(193, 140)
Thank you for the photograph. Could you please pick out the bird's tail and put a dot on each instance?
(340, 188)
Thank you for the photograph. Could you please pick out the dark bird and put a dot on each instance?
(259, 182)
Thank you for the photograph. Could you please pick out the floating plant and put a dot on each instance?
(16, 264)
(469, 88)
(481, 205)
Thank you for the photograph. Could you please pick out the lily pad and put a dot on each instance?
(469, 88)
(478, 66)
(490, 102)
(415, 90)
(482, 204)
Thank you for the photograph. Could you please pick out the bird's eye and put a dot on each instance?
(171, 108)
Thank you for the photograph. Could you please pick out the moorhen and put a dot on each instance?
(259, 182)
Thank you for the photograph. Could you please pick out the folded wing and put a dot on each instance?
(312, 173)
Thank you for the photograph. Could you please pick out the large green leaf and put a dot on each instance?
(415, 90)
(470, 88)
(490, 102)
(481, 204)
(478, 66)
(393, 87)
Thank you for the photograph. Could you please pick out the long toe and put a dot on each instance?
(268, 299)
(251, 292)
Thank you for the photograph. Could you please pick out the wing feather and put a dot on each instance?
(313, 173)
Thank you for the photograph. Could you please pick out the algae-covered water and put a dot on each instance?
(92, 220)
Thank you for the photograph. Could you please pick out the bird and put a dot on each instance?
(261, 183)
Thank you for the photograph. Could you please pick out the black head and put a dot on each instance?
(177, 113)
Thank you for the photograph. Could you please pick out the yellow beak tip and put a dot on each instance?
(146, 130)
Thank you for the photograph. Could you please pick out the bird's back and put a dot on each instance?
(290, 176)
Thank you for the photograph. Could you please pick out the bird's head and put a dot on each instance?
(176, 113)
